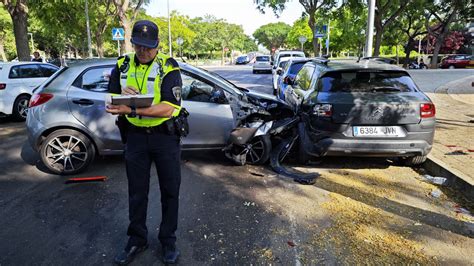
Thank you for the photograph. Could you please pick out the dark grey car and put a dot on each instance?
(366, 109)
(68, 125)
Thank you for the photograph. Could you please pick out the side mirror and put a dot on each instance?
(279, 71)
(271, 63)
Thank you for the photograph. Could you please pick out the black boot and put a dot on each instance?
(170, 255)
(128, 254)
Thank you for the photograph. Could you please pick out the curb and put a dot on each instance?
(455, 179)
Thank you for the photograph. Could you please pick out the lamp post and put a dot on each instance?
(32, 42)
(180, 41)
(302, 40)
(169, 29)
(89, 45)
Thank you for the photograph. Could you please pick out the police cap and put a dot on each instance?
(145, 33)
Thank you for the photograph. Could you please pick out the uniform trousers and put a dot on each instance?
(141, 150)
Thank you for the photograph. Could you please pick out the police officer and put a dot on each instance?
(148, 139)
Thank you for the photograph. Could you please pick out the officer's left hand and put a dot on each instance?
(118, 109)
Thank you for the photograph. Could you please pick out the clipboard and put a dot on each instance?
(130, 100)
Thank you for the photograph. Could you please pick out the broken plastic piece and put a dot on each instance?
(86, 179)
(291, 243)
(436, 193)
(435, 179)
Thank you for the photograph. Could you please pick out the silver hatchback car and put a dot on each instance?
(68, 126)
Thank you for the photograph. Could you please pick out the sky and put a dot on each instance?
(240, 12)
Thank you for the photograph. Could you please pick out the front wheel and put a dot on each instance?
(259, 149)
(451, 67)
(67, 152)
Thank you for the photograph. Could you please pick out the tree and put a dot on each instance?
(310, 7)
(411, 23)
(5, 32)
(126, 18)
(101, 17)
(386, 12)
(18, 11)
(442, 14)
(299, 28)
(348, 30)
(272, 35)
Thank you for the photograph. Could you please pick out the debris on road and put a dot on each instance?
(86, 179)
(435, 179)
(291, 243)
(436, 193)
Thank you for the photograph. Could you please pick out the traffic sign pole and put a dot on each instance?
(118, 47)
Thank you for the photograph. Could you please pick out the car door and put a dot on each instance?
(211, 118)
(86, 100)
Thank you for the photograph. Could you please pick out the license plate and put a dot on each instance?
(393, 131)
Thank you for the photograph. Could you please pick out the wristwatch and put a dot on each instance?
(133, 112)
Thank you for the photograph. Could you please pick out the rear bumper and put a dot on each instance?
(374, 148)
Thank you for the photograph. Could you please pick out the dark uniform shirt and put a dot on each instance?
(171, 80)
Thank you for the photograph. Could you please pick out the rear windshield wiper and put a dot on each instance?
(389, 89)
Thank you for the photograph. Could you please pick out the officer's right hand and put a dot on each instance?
(129, 91)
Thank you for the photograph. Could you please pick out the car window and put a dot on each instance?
(196, 90)
(294, 68)
(95, 79)
(303, 78)
(459, 57)
(283, 64)
(48, 70)
(263, 59)
(350, 81)
(25, 71)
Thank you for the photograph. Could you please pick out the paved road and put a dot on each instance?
(359, 211)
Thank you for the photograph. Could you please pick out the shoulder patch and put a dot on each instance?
(171, 62)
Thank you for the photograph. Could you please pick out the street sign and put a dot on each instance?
(118, 34)
(302, 39)
(320, 31)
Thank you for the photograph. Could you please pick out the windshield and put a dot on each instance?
(362, 81)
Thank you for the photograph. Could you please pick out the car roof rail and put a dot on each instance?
(321, 60)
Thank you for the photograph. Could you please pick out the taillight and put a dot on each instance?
(40, 98)
(3, 86)
(323, 110)
(427, 110)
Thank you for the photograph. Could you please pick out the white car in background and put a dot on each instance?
(285, 54)
(276, 73)
(17, 81)
(262, 63)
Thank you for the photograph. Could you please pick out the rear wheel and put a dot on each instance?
(451, 67)
(20, 108)
(259, 150)
(414, 160)
(67, 152)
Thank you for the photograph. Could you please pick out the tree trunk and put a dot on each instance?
(378, 39)
(100, 44)
(2, 51)
(408, 49)
(312, 26)
(223, 54)
(437, 47)
(19, 14)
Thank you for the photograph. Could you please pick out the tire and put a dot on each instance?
(451, 67)
(260, 148)
(254, 71)
(20, 108)
(414, 160)
(67, 152)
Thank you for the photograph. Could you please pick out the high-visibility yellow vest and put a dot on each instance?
(147, 79)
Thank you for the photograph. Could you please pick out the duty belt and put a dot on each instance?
(149, 130)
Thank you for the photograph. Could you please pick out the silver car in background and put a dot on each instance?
(262, 64)
(68, 126)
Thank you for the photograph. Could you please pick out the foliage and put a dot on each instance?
(272, 35)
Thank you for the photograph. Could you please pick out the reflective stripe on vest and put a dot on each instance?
(147, 79)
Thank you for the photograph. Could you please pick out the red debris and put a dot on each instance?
(470, 150)
(291, 243)
(450, 146)
(86, 179)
